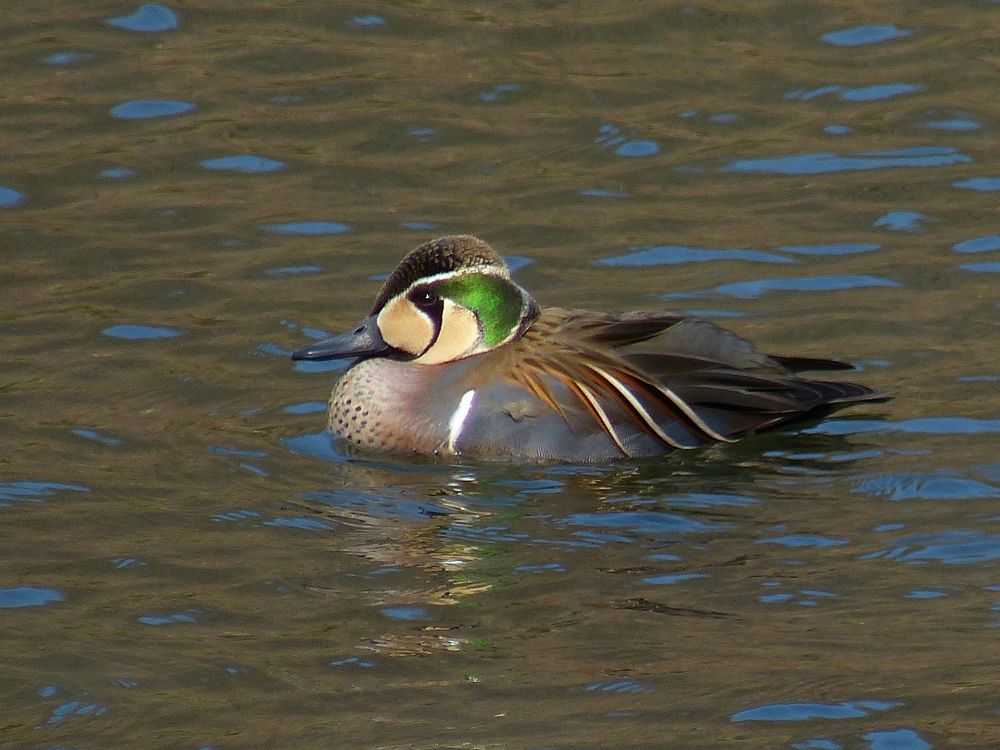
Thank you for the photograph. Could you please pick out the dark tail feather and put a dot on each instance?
(800, 364)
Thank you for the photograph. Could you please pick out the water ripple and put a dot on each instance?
(822, 163)
(28, 596)
(880, 92)
(836, 248)
(9, 197)
(985, 267)
(97, 437)
(807, 711)
(876, 92)
(896, 739)
(857, 36)
(643, 522)
(368, 21)
(937, 486)
(803, 540)
(759, 287)
(27, 491)
(308, 228)
(670, 255)
(923, 425)
(243, 163)
(149, 18)
(611, 137)
(903, 221)
(142, 109)
(982, 244)
(954, 124)
(141, 333)
(955, 547)
(982, 184)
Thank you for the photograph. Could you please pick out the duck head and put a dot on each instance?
(448, 299)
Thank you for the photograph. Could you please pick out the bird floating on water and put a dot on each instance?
(458, 359)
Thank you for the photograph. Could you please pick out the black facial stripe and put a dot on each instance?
(435, 257)
(436, 314)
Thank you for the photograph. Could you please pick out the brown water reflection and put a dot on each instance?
(188, 564)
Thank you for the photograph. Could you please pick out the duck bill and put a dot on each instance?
(363, 341)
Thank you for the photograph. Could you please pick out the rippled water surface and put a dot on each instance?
(191, 190)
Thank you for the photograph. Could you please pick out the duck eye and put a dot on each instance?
(425, 298)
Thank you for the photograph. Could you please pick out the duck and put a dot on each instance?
(456, 359)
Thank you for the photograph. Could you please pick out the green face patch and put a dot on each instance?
(496, 302)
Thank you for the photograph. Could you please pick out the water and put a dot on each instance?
(190, 192)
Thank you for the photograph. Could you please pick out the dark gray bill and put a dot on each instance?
(363, 341)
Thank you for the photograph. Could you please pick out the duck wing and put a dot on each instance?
(684, 381)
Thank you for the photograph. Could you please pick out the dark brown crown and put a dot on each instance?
(437, 256)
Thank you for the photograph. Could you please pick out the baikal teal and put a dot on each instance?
(458, 359)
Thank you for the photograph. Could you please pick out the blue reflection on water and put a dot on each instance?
(149, 18)
(985, 267)
(118, 173)
(602, 193)
(703, 500)
(305, 524)
(923, 425)
(803, 540)
(955, 547)
(924, 594)
(880, 92)
(805, 95)
(9, 197)
(836, 248)
(315, 445)
(409, 613)
(97, 437)
(68, 57)
(71, 708)
(368, 21)
(28, 596)
(141, 109)
(941, 485)
(863, 35)
(758, 287)
(638, 148)
(821, 163)
(306, 407)
(806, 711)
(140, 333)
(188, 615)
(27, 491)
(240, 515)
(896, 739)
(220, 450)
(294, 270)
(499, 92)
(669, 579)
(902, 221)
(352, 661)
(611, 137)
(244, 163)
(309, 228)
(643, 522)
(982, 184)
(978, 244)
(955, 124)
(618, 686)
(669, 255)
(817, 743)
